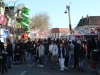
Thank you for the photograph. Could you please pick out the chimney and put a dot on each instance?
(82, 20)
(87, 16)
(87, 19)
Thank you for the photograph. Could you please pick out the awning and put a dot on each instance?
(98, 29)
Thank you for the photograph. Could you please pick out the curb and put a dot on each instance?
(98, 72)
(90, 69)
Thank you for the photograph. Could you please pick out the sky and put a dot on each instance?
(56, 8)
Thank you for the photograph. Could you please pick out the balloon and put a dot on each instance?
(24, 24)
(27, 28)
(25, 16)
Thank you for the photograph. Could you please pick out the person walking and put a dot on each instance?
(9, 50)
(17, 54)
(34, 53)
(3, 58)
(71, 54)
(76, 48)
(81, 55)
(46, 52)
(30, 55)
(95, 58)
(68, 49)
(53, 52)
(61, 55)
(41, 54)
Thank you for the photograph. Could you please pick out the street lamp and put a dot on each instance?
(68, 11)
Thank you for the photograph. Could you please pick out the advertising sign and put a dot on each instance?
(21, 30)
(11, 23)
(3, 20)
(4, 33)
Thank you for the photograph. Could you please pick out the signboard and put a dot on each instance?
(4, 33)
(3, 20)
(21, 30)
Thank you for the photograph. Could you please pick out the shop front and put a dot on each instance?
(98, 32)
(4, 33)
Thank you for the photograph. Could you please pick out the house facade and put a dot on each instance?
(59, 32)
(88, 25)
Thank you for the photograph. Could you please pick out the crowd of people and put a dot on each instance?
(68, 53)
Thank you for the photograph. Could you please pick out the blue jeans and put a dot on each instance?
(30, 59)
(71, 60)
(21, 59)
(46, 58)
(9, 62)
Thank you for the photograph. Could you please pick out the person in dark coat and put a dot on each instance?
(34, 53)
(88, 49)
(30, 55)
(61, 55)
(1, 46)
(76, 48)
(17, 54)
(95, 58)
(9, 50)
(46, 52)
(81, 55)
(93, 44)
(3, 59)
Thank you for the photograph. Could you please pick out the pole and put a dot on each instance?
(68, 7)
(14, 21)
(15, 31)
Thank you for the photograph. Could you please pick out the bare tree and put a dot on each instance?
(41, 21)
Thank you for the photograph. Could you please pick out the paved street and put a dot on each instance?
(46, 70)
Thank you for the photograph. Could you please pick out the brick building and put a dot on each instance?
(59, 32)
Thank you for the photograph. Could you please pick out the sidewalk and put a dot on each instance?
(89, 62)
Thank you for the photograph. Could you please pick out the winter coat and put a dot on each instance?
(68, 49)
(3, 59)
(17, 52)
(63, 51)
(72, 48)
(81, 53)
(46, 45)
(9, 49)
(1, 46)
(53, 49)
(76, 48)
(95, 55)
(34, 50)
(41, 50)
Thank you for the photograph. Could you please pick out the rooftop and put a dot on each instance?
(60, 30)
(89, 20)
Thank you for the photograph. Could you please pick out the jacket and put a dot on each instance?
(41, 50)
(3, 59)
(68, 49)
(9, 49)
(63, 51)
(53, 49)
(34, 50)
